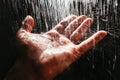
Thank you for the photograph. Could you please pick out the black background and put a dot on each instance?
(101, 58)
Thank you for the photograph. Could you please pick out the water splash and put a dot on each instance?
(48, 13)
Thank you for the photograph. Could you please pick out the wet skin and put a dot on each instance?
(43, 56)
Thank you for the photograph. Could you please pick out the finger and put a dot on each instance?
(81, 30)
(28, 23)
(73, 25)
(89, 43)
(62, 25)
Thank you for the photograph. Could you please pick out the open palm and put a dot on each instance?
(48, 54)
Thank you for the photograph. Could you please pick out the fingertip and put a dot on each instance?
(29, 20)
(84, 16)
(28, 23)
(90, 20)
(81, 18)
(102, 33)
(73, 16)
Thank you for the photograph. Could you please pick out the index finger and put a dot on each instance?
(90, 42)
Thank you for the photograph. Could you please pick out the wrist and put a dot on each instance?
(21, 71)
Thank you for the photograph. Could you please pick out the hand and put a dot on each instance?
(43, 56)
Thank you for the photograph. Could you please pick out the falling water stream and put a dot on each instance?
(47, 13)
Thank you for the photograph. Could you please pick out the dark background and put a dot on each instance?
(100, 63)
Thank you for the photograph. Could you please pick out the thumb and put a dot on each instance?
(27, 26)
(28, 23)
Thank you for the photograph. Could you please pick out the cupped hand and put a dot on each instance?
(45, 55)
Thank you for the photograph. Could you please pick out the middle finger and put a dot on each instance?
(73, 25)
